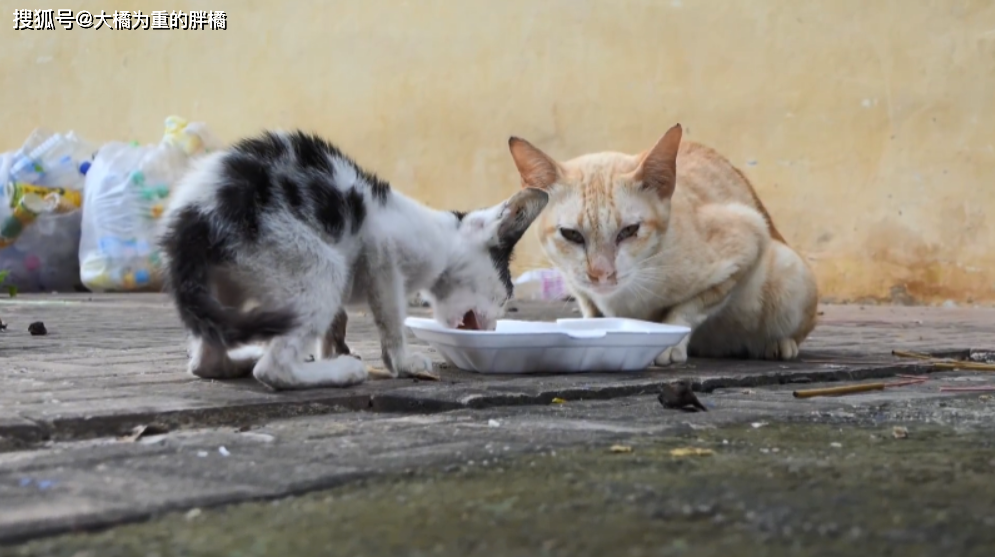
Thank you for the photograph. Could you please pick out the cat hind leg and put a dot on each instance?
(315, 287)
(284, 366)
(209, 360)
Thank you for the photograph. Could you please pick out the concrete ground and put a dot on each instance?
(479, 465)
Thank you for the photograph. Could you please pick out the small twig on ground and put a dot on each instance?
(913, 355)
(842, 361)
(854, 389)
(379, 373)
(976, 366)
(978, 389)
(915, 381)
(836, 391)
(936, 363)
(945, 363)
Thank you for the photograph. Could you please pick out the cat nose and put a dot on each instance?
(602, 277)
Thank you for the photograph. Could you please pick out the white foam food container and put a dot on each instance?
(566, 346)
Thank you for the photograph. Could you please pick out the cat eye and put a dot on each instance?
(627, 232)
(572, 236)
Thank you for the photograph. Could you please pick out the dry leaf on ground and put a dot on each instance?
(691, 451)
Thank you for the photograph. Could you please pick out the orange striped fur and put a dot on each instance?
(675, 234)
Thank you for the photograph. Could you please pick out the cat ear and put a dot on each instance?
(520, 211)
(658, 170)
(538, 170)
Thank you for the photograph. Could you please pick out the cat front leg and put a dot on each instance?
(388, 302)
(333, 342)
(692, 314)
(678, 354)
(588, 309)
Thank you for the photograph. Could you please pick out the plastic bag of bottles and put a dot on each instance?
(126, 192)
(40, 216)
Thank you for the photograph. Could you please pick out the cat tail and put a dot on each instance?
(189, 258)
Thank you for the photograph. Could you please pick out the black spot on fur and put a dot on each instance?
(268, 146)
(501, 257)
(296, 172)
(312, 152)
(357, 209)
(378, 187)
(190, 233)
(247, 191)
(193, 246)
(292, 193)
(329, 206)
(443, 286)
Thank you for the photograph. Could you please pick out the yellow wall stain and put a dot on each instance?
(867, 127)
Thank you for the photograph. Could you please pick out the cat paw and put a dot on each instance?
(338, 372)
(784, 349)
(350, 371)
(245, 358)
(412, 364)
(235, 364)
(673, 355)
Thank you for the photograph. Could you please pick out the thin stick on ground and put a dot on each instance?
(975, 366)
(854, 389)
(843, 361)
(915, 381)
(913, 355)
(837, 391)
(945, 363)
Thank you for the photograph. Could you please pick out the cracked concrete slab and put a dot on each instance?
(100, 482)
(111, 363)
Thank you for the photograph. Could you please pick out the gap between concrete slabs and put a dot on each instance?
(422, 398)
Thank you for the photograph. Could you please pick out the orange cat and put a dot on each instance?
(674, 235)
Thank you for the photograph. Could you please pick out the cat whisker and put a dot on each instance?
(641, 286)
(642, 274)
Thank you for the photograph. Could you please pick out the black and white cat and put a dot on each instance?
(289, 221)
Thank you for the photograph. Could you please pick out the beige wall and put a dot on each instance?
(868, 126)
